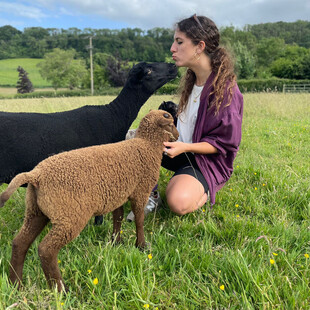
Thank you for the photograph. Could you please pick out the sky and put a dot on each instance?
(146, 14)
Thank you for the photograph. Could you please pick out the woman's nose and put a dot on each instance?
(172, 49)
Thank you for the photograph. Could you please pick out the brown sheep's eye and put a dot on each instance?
(166, 115)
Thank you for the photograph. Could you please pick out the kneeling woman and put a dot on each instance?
(209, 117)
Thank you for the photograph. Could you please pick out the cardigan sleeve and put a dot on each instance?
(224, 132)
(226, 136)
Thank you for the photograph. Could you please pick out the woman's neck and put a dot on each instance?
(202, 71)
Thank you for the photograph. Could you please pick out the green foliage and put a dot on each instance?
(245, 61)
(269, 49)
(248, 252)
(292, 64)
(61, 69)
(292, 33)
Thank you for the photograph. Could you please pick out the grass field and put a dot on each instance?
(251, 251)
(9, 73)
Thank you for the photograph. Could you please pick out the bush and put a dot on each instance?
(168, 89)
(265, 85)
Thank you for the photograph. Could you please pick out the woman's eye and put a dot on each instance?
(179, 42)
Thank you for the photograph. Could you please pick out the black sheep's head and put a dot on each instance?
(151, 76)
(170, 107)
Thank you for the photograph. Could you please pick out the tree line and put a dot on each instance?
(261, 51)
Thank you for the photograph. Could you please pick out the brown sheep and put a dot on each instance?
(69, 188)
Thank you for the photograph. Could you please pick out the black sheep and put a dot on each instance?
(28, 138)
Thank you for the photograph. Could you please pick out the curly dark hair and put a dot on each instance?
(201, 28)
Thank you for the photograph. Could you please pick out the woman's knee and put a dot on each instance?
(180, 203)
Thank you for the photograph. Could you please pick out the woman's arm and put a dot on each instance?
(173, 149)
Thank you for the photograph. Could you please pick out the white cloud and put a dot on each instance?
(147, 14)
(21, 10)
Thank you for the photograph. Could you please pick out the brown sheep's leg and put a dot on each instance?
(118, 215)
(34, 223)
(31, 228)
(57, 238)
(138, 210)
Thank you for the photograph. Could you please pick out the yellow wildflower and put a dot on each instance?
(275, 254)
(95, 281)
(222, 287)
(256, 188)
(272, 261)
(237, 215)
(264, 184)
(237, 206)
(146, 306)
(150, 256)
(89, 271)
(306, 255)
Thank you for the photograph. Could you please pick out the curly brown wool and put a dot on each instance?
(69, 188)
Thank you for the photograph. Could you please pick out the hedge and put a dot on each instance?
(265, 85)
(254, 85)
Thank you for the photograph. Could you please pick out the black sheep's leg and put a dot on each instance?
(98, 220)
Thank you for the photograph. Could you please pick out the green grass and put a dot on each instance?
(9, 73)
(218, 258)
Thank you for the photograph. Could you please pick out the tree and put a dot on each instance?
(24, 85)
(245, 61)
(292, 64)
(268, 50)
(61, 69)
(117, 71)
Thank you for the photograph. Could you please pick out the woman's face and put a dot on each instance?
(183, 50)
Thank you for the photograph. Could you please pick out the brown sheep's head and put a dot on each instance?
(158, 123)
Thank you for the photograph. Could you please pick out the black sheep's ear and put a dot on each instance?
(138, 70)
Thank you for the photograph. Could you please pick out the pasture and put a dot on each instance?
(9, 73)
(250, 251)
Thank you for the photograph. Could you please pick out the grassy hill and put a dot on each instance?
(9, 74)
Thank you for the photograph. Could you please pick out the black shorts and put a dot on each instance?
(185, 163)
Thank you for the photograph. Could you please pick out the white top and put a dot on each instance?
(187, 119)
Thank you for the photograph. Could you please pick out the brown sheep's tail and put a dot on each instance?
(19, 180)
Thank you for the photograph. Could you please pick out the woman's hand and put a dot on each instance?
(173, 149)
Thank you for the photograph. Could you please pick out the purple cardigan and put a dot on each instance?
(223, 131)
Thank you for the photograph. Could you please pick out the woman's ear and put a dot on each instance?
(201, 47)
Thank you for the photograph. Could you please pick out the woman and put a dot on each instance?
(209, 118)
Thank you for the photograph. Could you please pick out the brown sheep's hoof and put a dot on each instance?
(61, 287)
(143, 247)
(116, 240)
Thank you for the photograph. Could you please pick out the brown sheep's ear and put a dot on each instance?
(165, 121)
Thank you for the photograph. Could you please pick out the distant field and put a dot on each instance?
(9, 73)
